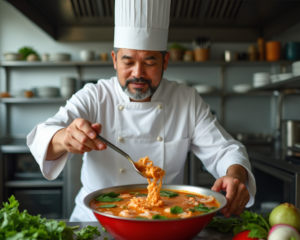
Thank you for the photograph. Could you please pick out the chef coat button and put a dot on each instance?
(121, 108)
(159, 106)
(120, 139)
(122, 170)
(159, 139)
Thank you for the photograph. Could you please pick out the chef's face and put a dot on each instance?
(139, 72)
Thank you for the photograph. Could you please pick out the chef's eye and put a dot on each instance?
(128, 63)
(150, 64)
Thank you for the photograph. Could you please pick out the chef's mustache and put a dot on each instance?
(138, 80)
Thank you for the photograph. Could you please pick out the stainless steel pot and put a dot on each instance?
(290, 133)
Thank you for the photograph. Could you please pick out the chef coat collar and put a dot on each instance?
(153, 98)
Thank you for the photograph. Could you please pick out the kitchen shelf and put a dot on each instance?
(35, 183)
(110, 63)
(293, 82)
(14, 146)
(13, 100)
(262, 93)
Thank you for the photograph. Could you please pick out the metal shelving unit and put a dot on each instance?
(34, 184)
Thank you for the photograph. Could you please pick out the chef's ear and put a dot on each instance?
(166, 60)
(114, 58)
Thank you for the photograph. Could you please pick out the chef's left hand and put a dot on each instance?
(236, 192)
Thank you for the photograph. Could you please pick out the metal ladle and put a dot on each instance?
(122, 153)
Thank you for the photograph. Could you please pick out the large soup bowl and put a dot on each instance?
(141, 229)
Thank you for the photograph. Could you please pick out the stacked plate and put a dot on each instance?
(242, 88)
(47, 92)
(59, 57)
(280, 77)
(296, 68)
(201, 88)
(260, 79)
(67, 87)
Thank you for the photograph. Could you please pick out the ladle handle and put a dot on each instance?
(114, 147)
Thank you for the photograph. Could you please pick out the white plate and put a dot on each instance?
(242, 88)
(260, 84)
(201, 88)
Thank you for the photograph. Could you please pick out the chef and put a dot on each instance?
(143, 114)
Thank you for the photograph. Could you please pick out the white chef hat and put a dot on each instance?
(142, 24)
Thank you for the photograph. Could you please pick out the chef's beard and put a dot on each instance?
(139, 94)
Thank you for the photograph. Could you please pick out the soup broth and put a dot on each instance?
(175, 204)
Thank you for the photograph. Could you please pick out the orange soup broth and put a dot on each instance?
(182, 201)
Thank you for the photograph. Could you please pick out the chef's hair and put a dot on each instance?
(163, 53)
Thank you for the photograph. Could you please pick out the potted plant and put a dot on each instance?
(176, 52)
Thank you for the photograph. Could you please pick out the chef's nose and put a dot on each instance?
(138, 70)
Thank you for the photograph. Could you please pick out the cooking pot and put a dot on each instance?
(136, 229)
(290, 134)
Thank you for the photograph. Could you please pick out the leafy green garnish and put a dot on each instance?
(190, 195)
(141, 218)
(141, 195)
(168, 194)
(176, 210)
(192, 209)
(157, 216)
(108, 206)
(201, 208)
(106, 238)
(103, 229)
(256, 223)
(87, 233)
(109, 197)
(15, 225)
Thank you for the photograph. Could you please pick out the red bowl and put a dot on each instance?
(136, 229)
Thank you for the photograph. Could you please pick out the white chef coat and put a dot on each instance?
(175, 121)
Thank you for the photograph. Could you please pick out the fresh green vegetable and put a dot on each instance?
(256, 223)
(141, 195)
(106, 238)
(157, 216)
(103, 229)
(176, 210)
(15, 225)
(87, 233)
(285, 213)
(108, 206)
(190, 195)
(109, 197)
(201, 208)
(27, 51)
(168, 194)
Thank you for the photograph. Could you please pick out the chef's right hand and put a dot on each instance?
(81, 136)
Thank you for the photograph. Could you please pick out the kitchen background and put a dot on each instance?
(241, 114)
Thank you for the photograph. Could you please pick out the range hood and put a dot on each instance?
(222, 20)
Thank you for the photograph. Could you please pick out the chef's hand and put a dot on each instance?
(79, 137)
(236, 192)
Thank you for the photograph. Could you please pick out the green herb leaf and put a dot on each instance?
(201, 208)
(190, 195)
(109, 197)
(108, 206)
(103, 229)
(176, 210)
(192, 209)
(256, 231)
(106, 238)
(168, 194)
(141, 195)
(141, 218)
(157, 216)
(87, 233)
(224, 225)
